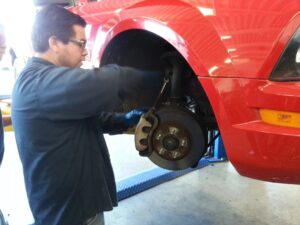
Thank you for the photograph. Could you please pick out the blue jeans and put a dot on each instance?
(96, 220)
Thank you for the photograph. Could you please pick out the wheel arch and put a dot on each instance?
(123, 40)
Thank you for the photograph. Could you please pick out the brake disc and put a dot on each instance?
(175, 142)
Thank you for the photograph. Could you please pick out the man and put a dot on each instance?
(59, 114)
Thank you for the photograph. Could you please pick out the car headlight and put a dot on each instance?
(288, 66)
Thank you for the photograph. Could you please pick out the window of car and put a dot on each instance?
(298, 56)
(288, 66)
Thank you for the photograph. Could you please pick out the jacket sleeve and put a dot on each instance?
(79, 93)
(112, 123)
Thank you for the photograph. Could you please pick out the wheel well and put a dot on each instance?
(136, 48)
(144, 50)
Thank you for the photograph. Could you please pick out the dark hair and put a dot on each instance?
(55, 21)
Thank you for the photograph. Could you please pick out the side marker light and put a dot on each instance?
(280, 118)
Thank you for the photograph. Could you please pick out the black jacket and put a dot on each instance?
(57, 115)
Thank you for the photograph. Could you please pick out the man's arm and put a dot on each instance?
(117, 123)
(78, 93)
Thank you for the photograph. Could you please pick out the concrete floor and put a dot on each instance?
(214, 195)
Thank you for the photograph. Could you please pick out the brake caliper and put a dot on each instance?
(144, 131)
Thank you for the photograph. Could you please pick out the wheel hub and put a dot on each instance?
(171, 141)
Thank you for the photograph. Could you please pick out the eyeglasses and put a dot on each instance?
(80, 43)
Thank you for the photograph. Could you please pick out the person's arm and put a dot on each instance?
(111, 123)
(6, 119)
(65, 93)
(117, 123)
(82, 93)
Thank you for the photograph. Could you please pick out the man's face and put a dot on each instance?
(73, 53)
(2, 45)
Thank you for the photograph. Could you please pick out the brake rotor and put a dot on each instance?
(176, 141)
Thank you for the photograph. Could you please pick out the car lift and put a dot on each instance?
(152, 177)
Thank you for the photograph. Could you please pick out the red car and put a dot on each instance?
(231, 65)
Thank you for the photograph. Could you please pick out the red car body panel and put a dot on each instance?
(232, 46)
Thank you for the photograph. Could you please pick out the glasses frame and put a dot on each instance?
(80, 43)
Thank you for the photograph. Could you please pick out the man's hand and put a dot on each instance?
(132, 118)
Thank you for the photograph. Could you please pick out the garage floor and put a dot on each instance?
(214, 195)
